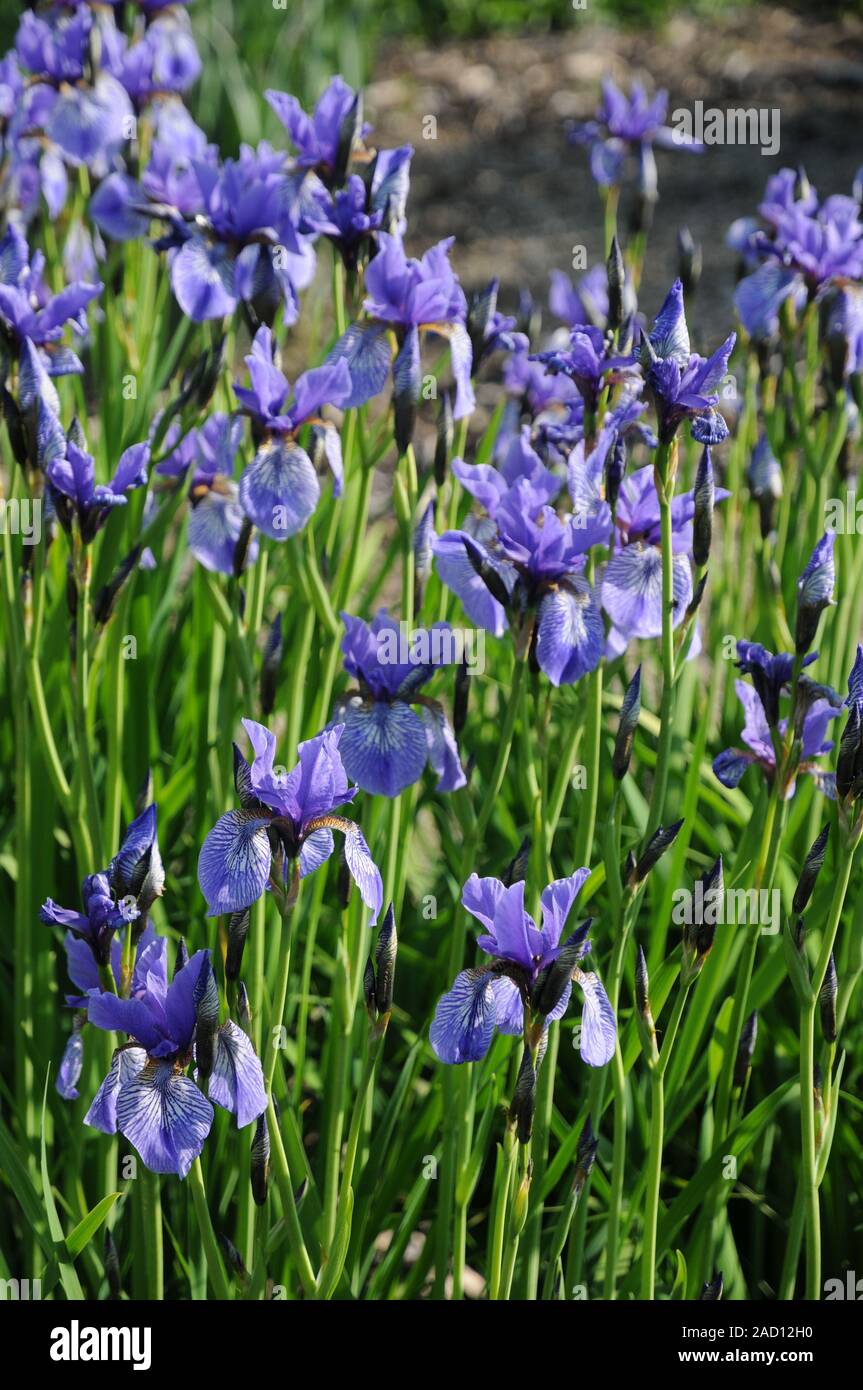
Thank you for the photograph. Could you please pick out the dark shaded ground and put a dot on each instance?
(501, 176)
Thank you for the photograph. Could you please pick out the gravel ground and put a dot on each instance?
(500, 174)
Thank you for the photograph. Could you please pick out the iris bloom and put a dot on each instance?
(763, 729)
(351, 216)
(320, 139)
(147, 1094)
(34, 318)
(216, 519)
(290, 815)
(385, 744)
(626, 126)
(684, 384)
(407, 297)
(71, 473)
(590, 365)
(500, 994)
(808, 247)
(537, 559)
(279, 490)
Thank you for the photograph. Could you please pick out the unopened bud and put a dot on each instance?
(524, 1099)
(630, 711)
(445, 431)
(260, 1161)
(270, 665)
(516, 869)
(810, 871)
(238, 930)
(659, 842)
(827, 1001)
(704, 496)
(206, 1000)
(746, 1049)
(616, 272)
(712, 1292)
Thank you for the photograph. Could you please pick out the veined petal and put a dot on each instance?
(279, 490)
(316, 850)
(237, 1081)
(364, 871)
(571, 635)
(509, 1009)
(125, 1065)
(557, 901)
(443, 753)
(632, 589)
(202, 277)
(234, 863)
(71, 1064)
(366, 350)
(464, 1019)
(730, 765)
(598, 1024)
(383, 746)
(164, 1116)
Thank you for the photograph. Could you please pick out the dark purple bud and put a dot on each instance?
(814, 592)
(350, 132)
(481, 311)
(182, 956)
(233, 1256)
(800, 934)
(206, 1000)
(630, 711)
(270, 665)
(369, 989)
(660, 841)
(385, 962)
(445, 431)
(423, 537)
(460, 698)
(712, 1292)
(260, 1164)
(524, 1099)
(487, 573)
(698, 936)
(746, 1049)
(241, 549)
(615, 469)
(697, 596)
(516, 869)
(704, 494)
(848, 762)
(551, 982)
(103, 604)
(616, 273)
(827, 1001)
(238, 930)
(585, 1155)
(764, 476)
(810, 871)
(244, 1008)
(688, 262)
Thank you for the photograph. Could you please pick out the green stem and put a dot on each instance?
(215, 1268)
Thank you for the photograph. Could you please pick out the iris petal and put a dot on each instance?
(464, 1019)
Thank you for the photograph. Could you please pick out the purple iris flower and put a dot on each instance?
(590, 365)
(164, 59)
(320, 138)
(72, 477)
(147, 1094)
(352, 215)
(684, 384)
(279, 490)
(550, 402)
(808, 246)
(503, 993)
(632, 582)
(243, 244)
(626, 126)
(216, 519)
(34, 318)
(291, 815)
(763, 728)
(408, 297)
(385, 744)
(120, 894)
(529, 548)
(83, 112)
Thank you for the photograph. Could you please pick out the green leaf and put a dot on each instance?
(87, 1228)
(68, 1277)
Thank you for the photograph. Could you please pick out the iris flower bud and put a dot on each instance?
(616, 272)
(712, 1292)
(629, 715)
(688, 262)
(659, 842)
(848, 765)
(698, 936)
(443, 445)
(238, 930)
(481, 311)
(516, 870)
(814, 592)
(206, 1001)
(585, 1155)
(423, 537)
(643, 1013)
(697, 596)
(524, 1099)
(553, 980)
(615, 469)
(487, 573)
(385, 960)
(704, 494)
(260, 1161)
(764, 476)
(810, 871)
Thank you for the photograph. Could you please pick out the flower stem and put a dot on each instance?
(215, 1268)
